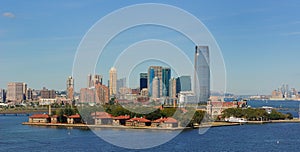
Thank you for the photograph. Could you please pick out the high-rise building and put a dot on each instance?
(102, 93)
(2, 95)
(156, 88)
(143, 80)
(48, 94)
(172, 88)
(183, 83)
(121, 83)
(70, 88)
(89, 81)
(154, 71)
(97, 79)
(202, 73)
(29, 94)
(87, 95)
(16, 91)
(113, 81)
(166, 76)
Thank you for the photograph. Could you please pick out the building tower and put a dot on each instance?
(166, 76)
(113, 81)
(70, 88)
(15, 91)
(143, 80)
(156, 88)
(172, 88)
(202, 73)
(89, 81)
(154, 71)
(97, 79)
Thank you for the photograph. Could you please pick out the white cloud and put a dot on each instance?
(8, 15)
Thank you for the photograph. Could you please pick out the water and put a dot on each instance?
(284, 106)
(267, 137)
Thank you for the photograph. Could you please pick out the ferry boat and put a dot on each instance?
(234, 119)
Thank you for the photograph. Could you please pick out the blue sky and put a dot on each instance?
(259, 40)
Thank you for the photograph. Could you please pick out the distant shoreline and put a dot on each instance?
(212, 124)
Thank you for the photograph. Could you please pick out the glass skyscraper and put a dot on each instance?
(202, 73)
(166, 76)
(183, 83)
(143, 80)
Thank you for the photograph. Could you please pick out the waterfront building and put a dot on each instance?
(113, 81)
(215, 108)
(138, 122)
(73, 119)
(143, 80)
(156, 88)
(16, 91)
(70, 88)
(102, 118)
(165, 123)
(120, 120)
(166, 76)
(202, 73)
(39, 118)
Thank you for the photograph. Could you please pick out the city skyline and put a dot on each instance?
(258, 57)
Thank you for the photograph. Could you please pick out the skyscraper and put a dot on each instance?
(97, 79)
(89, 81)
(70, 88)
(16, 91)
(143, 80)
(121, 83)
(183, 83)
(166, 76)
(156, 88)
(113, 81)
(154, 71)
(202, 73)
(172, 88)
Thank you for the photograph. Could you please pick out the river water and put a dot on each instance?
(262, 137)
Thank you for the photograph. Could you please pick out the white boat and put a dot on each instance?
(234, 119)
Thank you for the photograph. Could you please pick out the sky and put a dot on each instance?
(259, 40)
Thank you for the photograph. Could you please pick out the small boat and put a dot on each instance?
(234, 119)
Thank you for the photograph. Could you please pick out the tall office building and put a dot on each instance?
(70, 88)
(16, 91)
(183, 83)
(154, 71)
(143, 80)
(121, 83)
(97, 79)
(172, 88)
(2, 95)
(156, 88)
(202, 73)
(48, 94)
(166, 76)
(113, 81)
(89, 81)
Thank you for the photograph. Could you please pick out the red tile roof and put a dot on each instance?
(170, 120)
(160, 120)
(101, 115)
(138, 119)
(121, 117)
(74, 116)
(54, 116)
(40, 116)
(166, 120)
